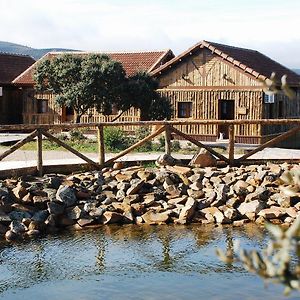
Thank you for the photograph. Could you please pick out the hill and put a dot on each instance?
(33, 52)
(297, 71)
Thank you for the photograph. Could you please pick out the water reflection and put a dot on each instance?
(121, 251)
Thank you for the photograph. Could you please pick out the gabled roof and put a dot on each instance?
(247, 60)
(12, 65)
(132, 62)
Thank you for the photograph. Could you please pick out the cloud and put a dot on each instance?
(140, 25)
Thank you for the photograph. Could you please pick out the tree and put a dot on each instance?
(141, 92)
(82, 82)
(96, 81)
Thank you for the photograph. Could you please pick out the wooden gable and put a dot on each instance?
(203, 69)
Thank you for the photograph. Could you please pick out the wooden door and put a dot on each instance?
(67, 114)
(226, 112)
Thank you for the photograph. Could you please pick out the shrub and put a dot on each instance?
(76, 135)
(114, 139)
(141, 133)
(176, 146)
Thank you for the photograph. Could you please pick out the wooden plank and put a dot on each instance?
(101, 149)
(199, 144)
(148, 123)
(60, 143)
(167, 140)
(141, 142)
(39, 144)
(19, 144)
(271, 142)
(231, 145)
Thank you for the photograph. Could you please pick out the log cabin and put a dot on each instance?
(212, 81)
(11, 65)
(40, 108)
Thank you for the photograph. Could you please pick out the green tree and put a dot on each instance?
(141, 93)
(82, 82)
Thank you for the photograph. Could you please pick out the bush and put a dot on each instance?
(175, 146)
(114, 139)
(141, 133)
(76, 135)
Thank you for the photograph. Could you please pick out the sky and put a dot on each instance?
(269, 26)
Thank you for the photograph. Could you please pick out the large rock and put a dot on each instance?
(66, 195)
(135, 187)
(153, 218)
(110, 217)
(188, 211)
(55, 208)
(203, 159)
(165, 160)
(254, 206)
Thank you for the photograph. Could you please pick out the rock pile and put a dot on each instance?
(169, 194)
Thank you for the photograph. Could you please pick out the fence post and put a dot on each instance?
(101, 151)
(167, 140)
(231, 145)
(39, 144)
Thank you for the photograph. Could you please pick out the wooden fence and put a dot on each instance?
(166, 127)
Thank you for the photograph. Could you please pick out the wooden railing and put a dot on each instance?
(168, 127)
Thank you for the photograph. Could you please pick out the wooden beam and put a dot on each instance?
(199, 144)
(270, 143)
(23, 127)
(231, 145)
(39, 144)
(141, 142)
(167, 140)
(101, 149)
(60, 143)
(19, 144)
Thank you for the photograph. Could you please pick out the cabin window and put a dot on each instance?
(271, 110)
(280, 109)
(269, 98)
(42, 106)
(184, 109)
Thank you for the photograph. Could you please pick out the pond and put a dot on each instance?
(133, 262)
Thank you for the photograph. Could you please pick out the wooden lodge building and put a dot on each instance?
(39, 108)
(208, 81)
(212, 81)
(11, 65)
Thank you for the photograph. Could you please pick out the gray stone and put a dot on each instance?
(188, 211)
(40, 216)
(55, 208)
(17, 227)
(134, 189)
(19, 215)
(96, 212)
(66, 195)
(110, 217)
(74, 213)
(165, 160)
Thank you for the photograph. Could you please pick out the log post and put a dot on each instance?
(39, 144)
(231, 145)
(101, 150)
(167, 140)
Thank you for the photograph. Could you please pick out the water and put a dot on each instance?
(133, 262)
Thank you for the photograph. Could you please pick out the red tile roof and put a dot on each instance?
(249, 61)
(12, 65)
(131, 61)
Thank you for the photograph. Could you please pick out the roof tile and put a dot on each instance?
(132, 62)
(11, 65)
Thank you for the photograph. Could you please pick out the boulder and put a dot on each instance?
(55, 208)
(165, 160)
(110, 217)
(188, 211)
(203, 159)
(254, 206)
(135, 187)
(66, 195)
(153, 218)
